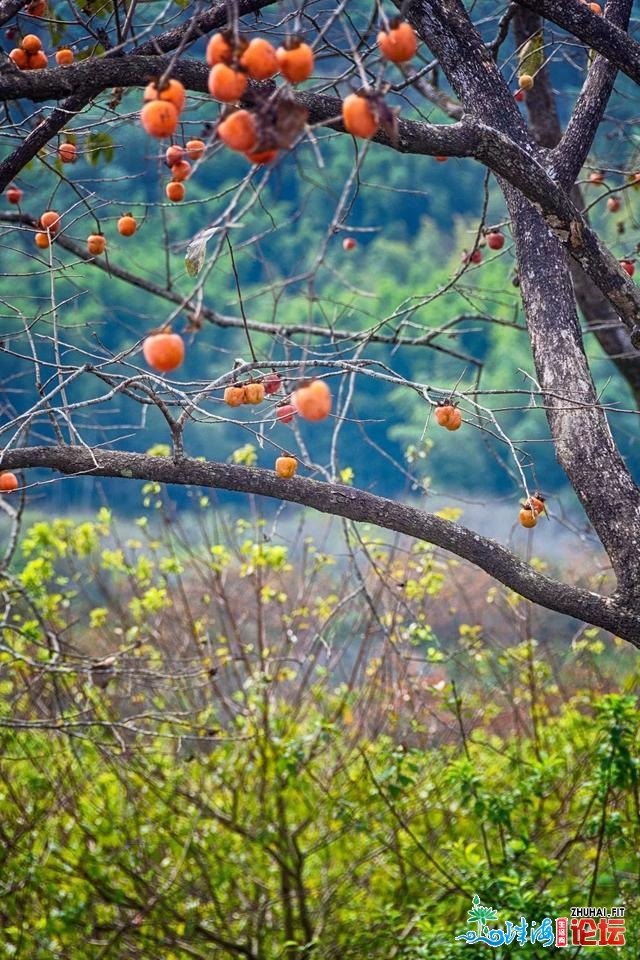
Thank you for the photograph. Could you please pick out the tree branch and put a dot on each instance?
(608, 39)
(569, 155)
(610, 613)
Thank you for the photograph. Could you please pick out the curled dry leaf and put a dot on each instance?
(194, 257)
(279, 122)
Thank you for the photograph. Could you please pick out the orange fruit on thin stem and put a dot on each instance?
(159, 118)
(68, 152)
(172, 92)
(285, 412)
(312, 400)
(174, 154)
(195, 149)
(527, 517)
(96, 244)
(220, 48)
(254, 392)
(399, 43)
(259, 59)
(8, 482)
(226, 84)
(50, 220)
(358, 116)
(238, 131)
(175, 191)
(127, 225)
(295, 60)
(181, 170)
(163, 351)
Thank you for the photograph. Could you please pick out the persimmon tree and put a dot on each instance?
(453, 99)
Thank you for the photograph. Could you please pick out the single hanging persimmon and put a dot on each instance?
(159, 118)
(68, 152)
(42, 240)
(221, 47)
(14, 194)
(286, 466)
(8, 481)
(259, 59)
(272, 382)
(127, 225)
(495, 240)
(399, 43)
(628, 266)
(50, 220)
(163, 351)
(238, 131)
(172, 91)
(285, 412)
(173, 154)
(226, 84)
(312, 400)
(96, 244)
(195, 149)
(527, 516)
(181, 170)
(295, 59)
(359, 115)
(175, 191)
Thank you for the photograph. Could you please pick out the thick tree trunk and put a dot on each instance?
(584, 446)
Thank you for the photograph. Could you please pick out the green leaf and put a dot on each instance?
(531, 54)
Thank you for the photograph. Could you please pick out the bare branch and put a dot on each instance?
(354, 504)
